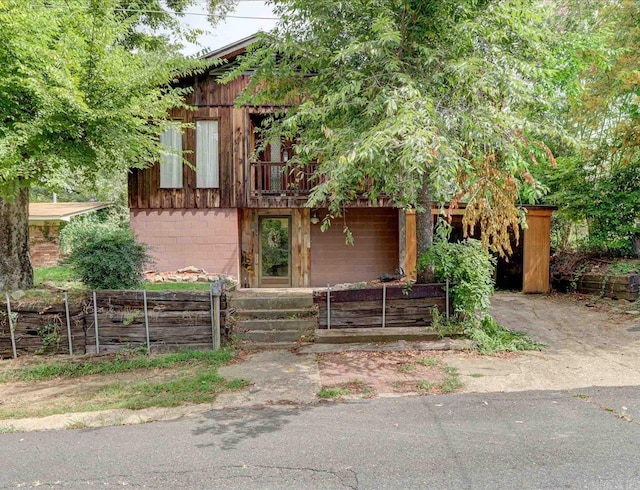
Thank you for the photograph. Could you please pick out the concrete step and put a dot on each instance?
(270, 335)
(366, 335)
(276, 324)
(303, 313)
(268, 345)
(271, 302)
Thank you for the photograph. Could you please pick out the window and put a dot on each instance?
(207, 169)
(171, 162)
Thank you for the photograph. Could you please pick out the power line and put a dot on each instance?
(144, 11)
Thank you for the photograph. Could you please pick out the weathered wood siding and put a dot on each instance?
(210, 101)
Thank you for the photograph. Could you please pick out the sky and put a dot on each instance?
(233, 28)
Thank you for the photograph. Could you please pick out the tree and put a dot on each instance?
(79, 94)
(422, 101)
(597, 181)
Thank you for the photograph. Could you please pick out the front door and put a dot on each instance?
(275, 251)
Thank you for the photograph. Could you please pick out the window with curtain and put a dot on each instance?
(171, 161)
(207, 168)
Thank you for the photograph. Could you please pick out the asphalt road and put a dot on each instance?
(571, 439)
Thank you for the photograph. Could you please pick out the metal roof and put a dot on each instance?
(62, 211)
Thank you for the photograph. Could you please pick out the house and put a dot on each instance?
(247, 219)
(45, 222)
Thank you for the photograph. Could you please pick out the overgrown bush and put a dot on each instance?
(101, 222)
(470, 271)
(109, 259)
(468, 267)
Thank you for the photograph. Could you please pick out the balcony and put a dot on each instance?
(273, 179)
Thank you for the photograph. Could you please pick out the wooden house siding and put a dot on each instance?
(209, 100)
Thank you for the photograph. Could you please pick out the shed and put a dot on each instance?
(45, 222)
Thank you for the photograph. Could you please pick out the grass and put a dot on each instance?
(428, 361)
(57, 274)
(176, 286)
(332, 392)
(64, 277)
(187, 377)
(119, 363)
(406, 368)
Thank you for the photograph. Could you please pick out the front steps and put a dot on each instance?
(272, 318)
(374, 335)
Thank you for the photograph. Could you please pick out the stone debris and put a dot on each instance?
(190, 274)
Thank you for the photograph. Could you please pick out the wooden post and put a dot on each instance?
(11, 332)
(410, 253)
(66, 311)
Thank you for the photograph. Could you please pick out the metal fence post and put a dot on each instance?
(447, 298)
(11, 332)
(95, 322)
(66, 311)
(384, 304)
(146, 319)
(215, 291)
(328, 307)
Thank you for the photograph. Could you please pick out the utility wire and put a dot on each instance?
(143, 11)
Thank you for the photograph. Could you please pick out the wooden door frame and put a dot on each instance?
(260, 277)
(300, 242)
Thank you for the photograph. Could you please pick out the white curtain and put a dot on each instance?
(207, 168)
(171, 162)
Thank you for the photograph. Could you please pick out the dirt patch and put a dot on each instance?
(385, 373)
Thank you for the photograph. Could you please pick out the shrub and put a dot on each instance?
(99, 223)
(470, 271)
(109, 259)
(468, 267)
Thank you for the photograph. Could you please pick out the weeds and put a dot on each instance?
(120, 363)
(428, 361)
(332, 392)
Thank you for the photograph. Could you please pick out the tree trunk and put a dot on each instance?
(15, 262)
(424, 231)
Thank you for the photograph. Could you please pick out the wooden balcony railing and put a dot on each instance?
(280, 179)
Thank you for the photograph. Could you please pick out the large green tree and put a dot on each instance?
(420, 100)
(85, 86)
(598, 180)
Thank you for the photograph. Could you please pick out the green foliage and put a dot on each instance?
(119, 364)
(110, 259)
(608, 201)
(50, 335)
(491, 337)
(597, 180)
(329, 392)
(469, 269)
(418, 101)
(57, 274)
(82, 228)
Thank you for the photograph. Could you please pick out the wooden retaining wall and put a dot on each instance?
(616, 287)
(35, 324)
(362, 308)
(177, 320)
